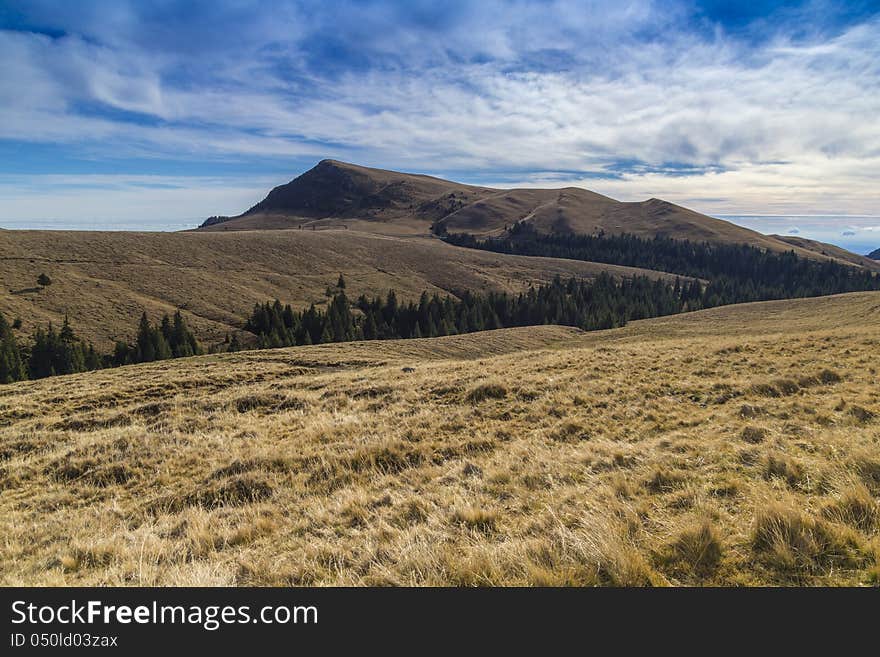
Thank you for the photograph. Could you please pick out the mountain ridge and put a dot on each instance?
(335, 194)
(831, 251)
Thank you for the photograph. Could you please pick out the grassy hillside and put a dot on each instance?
(105, 280)
(830, 251)
(334, 194)
(733, 446)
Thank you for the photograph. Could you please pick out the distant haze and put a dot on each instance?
(163, 225)
(859, 234)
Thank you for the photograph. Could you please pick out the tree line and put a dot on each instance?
(736, 273)
(54, 352)
(597, 304)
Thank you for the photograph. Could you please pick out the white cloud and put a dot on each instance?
(789, 127)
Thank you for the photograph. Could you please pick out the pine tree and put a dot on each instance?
(40, 361)
(182, 341)
(371, 331)
(160, 345)
(146, 348)
(11, 363)
(166, 329)
(326, 335)
(121, 353)
(93, 360)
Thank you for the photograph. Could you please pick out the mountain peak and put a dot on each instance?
(343, 190)
(336, 194)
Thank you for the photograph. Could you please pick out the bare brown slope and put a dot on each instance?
(337, 194)
(830, 251)
(105, 280)
(383, 201)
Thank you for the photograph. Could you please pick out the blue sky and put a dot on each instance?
(166, 111)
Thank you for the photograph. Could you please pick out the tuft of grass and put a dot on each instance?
(663, 480)
(783, 467)
(487, 391)
(412, 512)
(866, 464)
(249, 532)
(90, 471)
(861, 415)
(790, 541)
(697, 548)
(764, 390)
(827, 377)
(856, 507)
(751, 434)
(747, 411)
(786, 386)
(476, 518)
(570, 432)
(233, 492)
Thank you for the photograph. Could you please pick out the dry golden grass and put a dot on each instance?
(105, 280)
(403, 204)
(537, 456)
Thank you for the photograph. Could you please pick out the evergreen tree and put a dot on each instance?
(181, 340)
(12, 367)
(121, 353)
(40, 363)
(736, 272)
(146, 347)
(60, 353)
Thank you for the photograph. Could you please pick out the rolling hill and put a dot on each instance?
(874, 255)
(733, 446)
(334, 194)
(105, 280)
(371, 225)
(830, 251)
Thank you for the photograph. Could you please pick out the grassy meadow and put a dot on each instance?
(104, 280)
(734, 446)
